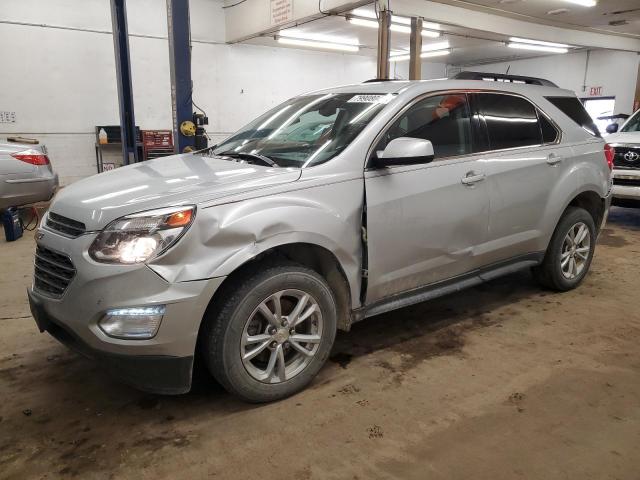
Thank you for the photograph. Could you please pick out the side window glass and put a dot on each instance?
(443, 119)
(549, 132)
(511, 121)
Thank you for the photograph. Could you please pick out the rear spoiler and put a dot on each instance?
(30, 141)
(502, 77)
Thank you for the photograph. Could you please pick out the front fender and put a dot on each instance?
(225, 237)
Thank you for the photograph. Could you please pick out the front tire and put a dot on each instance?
(271, 333)
(570, 251)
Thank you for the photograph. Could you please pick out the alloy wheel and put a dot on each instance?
(281, 336)
(575, 251)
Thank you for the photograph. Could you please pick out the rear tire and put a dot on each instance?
(570, 251)
(271, 332)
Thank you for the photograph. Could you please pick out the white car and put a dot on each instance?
(626, 161)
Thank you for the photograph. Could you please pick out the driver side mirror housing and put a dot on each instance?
(612, 128)
(405, 151)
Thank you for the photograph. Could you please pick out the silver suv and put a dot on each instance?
(335, 206)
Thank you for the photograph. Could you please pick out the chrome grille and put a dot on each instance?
(53, 272)
(627, 157)
(64, 225)
(627, 182)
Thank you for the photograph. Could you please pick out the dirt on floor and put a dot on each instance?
(503, 381)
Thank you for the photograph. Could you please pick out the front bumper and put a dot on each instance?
(161, 364)
(162, 374)
(626, 184)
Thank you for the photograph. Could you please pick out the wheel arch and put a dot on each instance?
(311, 255)
(593, 203)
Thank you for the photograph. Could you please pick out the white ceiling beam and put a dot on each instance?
(510, 27)
(252, 18)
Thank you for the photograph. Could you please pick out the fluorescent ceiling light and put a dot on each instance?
(407, 21)
(538, 48)
(538, 42)
(435, 46)
(316, 44)
(394, 27)
(363, 22)
(405, 57)
(363, 12)
(437, 53)
(430, 34)
(318, 37)
(584, 3)
(425, 48)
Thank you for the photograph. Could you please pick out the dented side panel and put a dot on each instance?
(227, 236)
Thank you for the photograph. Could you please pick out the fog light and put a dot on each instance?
(137, 323)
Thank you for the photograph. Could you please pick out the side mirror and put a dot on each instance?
(612, 128)
(405, 151)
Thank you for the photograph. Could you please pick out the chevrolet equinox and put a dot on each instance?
(335, 206)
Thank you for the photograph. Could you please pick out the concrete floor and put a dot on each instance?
(504, 381)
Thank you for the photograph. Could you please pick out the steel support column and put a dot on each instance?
(415, 49)
(384, 39)
(123, 76)
(180, 64)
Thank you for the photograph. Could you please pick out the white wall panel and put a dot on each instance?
(62, 82)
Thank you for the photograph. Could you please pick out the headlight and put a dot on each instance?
(142, 236)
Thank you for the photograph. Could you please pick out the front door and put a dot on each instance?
(425, 222)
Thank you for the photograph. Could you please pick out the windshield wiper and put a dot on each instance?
(251, 156)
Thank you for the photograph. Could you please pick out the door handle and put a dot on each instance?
(471, 178)
(553, 159)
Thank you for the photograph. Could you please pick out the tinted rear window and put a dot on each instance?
(573, 108)
(549, 132)
(511, 121)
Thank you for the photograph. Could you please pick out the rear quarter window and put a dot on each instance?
(549, 133)
(573, 108)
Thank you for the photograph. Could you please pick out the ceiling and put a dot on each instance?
(472, 47)
(467, 45)
(624, 14)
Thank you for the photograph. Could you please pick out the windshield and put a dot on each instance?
(304, 131)
(633, 124)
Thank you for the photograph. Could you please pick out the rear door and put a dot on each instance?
(524, 160)
(425, 222)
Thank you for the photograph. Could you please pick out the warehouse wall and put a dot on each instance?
(430, 70)
(615, 71)
(61, 81)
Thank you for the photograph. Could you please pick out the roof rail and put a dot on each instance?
(501, 77)
(371, 80)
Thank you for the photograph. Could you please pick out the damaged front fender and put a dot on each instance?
(225, 237)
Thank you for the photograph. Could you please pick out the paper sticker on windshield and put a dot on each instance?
(384, 99)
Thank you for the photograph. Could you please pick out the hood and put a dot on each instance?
(167, 181)
(623, 137)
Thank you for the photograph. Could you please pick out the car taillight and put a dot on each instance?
(34, 157)
(609, 153)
